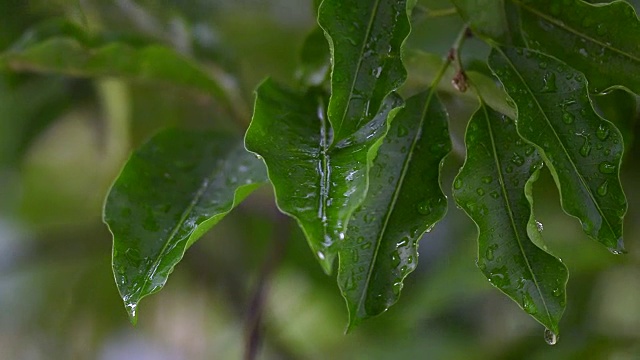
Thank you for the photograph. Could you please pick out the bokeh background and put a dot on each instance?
(63, 140)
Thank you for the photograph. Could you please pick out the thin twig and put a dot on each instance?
(253, 335)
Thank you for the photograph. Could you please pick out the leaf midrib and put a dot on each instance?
(396, 194)
(205, 184)
(562, 25)
(510, 212)
(374, 13)
(564, 149)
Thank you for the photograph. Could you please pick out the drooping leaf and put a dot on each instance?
(494, 188)
(317, 184)
(68, 56)
(365, 38)
(485, 17)
(171, 191)
(404, 200)
(583, 150)
(601, 40)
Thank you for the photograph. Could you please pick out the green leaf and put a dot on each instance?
(68, 56)
(494, 188)
(486, 18)
(582, 150)
(602, 41)
(365, 38)
(404, 200)
(424, 67)
(317, 184)
(171, 191)
(315, 59)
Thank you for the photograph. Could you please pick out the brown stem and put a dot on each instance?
(253, 334)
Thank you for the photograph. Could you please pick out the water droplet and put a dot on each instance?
(539, 226)
(494, 194)
(365, 246)
(320, 255)
(368, 218)
(529, 150)
(395, 259)
(557, 292)
(487, 179)
(425, 207)
(480, 191)
(585, 150)
(509, 169)
(606, 167)
(457, 184)
(602, 189)
(603, 132)
(550, 337)
(528, 305)
(517, 159)
(402, 131)
(543, 65)
(397, 287)
(489, 253)
(549, 80)
(568, 118)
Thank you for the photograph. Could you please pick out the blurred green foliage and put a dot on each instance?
(63, 139)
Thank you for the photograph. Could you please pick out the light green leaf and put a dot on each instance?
(68, 56)
(365, 38)
(601, 40)
(494, 188)
(582, 150)
(424, 67)
(171, 191)
(486, 18)
(317, 184)
(404, 200)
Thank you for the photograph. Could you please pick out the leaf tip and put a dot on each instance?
(131, 307)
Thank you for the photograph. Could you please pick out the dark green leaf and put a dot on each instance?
(602, 40)
(494, 188)
(404, 200)
(65, 55)
(365, 39)
(317, 184)
(171, 191)
(582, 149)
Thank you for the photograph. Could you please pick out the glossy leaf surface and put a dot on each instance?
(602, 40)
(582, 149)
(365, 38)
(171, 191)
(318, 184)
(404, 200)
(315, 58)
(494, 189)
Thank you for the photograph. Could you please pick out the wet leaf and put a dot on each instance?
(602, 40)
(494, 187)
(404, 200)
(365, 38)
(583, 150)
(171, 191)
(317, 183)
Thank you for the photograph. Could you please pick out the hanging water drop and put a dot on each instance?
(424, 208)
(550, 337)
